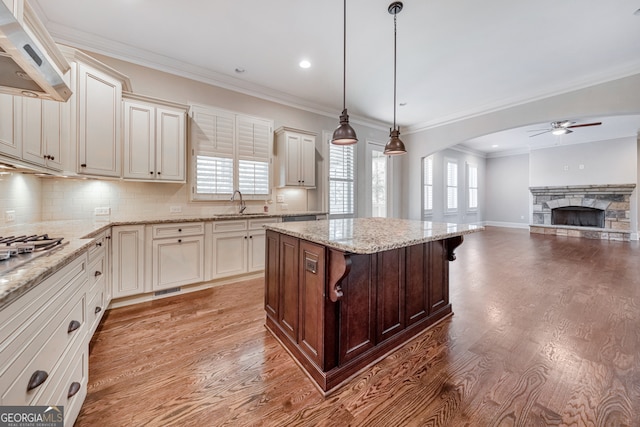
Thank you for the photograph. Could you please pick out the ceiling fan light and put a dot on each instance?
(394, 146)
(561, 131)
(344, 133)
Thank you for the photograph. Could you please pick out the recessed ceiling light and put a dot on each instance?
(495, 146)
(402, 104)
(305, 64)
(240, 70)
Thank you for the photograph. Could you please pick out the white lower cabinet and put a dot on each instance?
(127, 260)
(44, 343)
(177, 255)
(238, 246)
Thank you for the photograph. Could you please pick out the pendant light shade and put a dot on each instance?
(395, 145)
(344, 134)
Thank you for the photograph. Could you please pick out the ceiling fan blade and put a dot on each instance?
(546, 131)
(585, 125)
(538, 130)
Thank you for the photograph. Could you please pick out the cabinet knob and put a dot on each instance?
(98, 310)
(179, 240)
(180, 230)
(73, 325)
(151, 172)
(97, 273)
(84, 165)
(73, 389)
(159, 172)
(251, 237)
(37, 379)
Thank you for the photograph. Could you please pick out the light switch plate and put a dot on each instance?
(280, 198)
(102, 211)
(10, 216)
(175, 209)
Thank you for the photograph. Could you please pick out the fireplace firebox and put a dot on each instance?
(579, 216)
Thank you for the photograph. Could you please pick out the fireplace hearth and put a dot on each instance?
(589, 211)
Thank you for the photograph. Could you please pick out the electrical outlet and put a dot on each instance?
(581, 167)
(10, 216)
(280, 198)
(175, 209)
(102, 211)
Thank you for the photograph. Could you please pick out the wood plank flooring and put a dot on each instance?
(546, 332)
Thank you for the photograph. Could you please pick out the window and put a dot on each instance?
(472, 184)
(452, 185)
(229, 152)
(341, 180)
(379, 184)
(427, 185)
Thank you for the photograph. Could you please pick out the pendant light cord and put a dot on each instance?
(344, 57)
(395, 36)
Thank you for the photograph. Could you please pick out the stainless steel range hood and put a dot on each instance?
(30, 62)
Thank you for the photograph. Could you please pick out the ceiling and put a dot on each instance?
(455, 58)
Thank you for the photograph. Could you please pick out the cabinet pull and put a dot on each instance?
(97, 273)
(75, 387)
(73, 325)
(37, 379)
(99, 244)
(98, 310)
(51, 158)
(84, 165)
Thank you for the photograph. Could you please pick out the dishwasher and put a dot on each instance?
(299, 218)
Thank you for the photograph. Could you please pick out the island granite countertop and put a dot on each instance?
(79, 235)
(371, 235)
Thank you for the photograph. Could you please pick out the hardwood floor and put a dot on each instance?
(546, 332)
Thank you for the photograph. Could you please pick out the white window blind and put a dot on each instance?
(427, 182)
(452, 185)
(341, 180)
(472, 175)
(230, 152)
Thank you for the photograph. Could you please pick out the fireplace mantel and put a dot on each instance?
(614, 199)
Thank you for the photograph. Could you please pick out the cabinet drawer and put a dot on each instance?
(95, 309)
(34, 311)
(97, 273)
(224, 226)
(43, 354)
(160, 231)
(98, 248)
(70, 386)
(257, 224)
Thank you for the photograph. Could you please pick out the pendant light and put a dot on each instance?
(344, 134)
(395, 145)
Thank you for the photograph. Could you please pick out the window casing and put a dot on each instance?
(472, 187)
(451, 185)
(342, 180)
(230, 152)
(427, 186)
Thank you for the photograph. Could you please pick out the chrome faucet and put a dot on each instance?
(242, 205)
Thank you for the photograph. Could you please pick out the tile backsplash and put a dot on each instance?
(64, 199)
(20, 196)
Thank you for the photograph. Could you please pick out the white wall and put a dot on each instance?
(508, 197)
(602, 162)
(20, 193)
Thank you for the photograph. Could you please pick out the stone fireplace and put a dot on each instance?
(590, 211)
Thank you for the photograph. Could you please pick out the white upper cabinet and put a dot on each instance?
(93, 116)
(99, 103)
(42, 133)
(296, 151)
(10, 142)
(154, 141)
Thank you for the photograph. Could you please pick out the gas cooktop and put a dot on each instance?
(16, 251)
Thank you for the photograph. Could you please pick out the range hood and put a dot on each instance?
(30, 62)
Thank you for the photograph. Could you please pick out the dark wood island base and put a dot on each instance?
(338, 312)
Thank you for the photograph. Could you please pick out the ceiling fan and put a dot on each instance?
(563, 127)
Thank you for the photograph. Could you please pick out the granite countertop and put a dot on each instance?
(78, 236)
(371, 235)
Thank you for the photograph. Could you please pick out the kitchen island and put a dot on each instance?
(342, 294)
